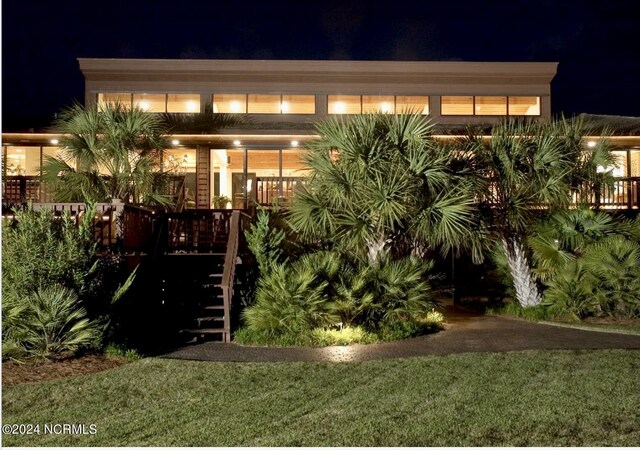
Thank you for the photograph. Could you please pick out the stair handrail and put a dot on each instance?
(229, 271)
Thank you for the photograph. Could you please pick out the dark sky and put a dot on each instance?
(597, 42)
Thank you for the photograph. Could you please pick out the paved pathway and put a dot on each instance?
(466, 333)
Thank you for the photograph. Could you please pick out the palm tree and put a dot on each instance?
(380, 183)
(109, 153)
(529, 168)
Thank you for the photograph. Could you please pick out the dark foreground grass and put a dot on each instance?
(541, 398)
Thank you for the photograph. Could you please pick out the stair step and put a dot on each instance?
(213, 307)
(205, 331)
(210, 318)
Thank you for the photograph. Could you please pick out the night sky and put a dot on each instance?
(596, 43)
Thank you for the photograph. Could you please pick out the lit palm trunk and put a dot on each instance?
(526, 289)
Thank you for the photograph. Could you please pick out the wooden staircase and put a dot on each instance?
(192, 257)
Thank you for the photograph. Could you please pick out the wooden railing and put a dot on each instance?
(269, 191)
(106, 222)
(138, 223)
(239, 221)
(197, 230)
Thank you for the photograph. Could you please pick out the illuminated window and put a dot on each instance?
(344, 104)
(179, 160)
(491, 106)
(457, 105)
(635, 162)
(230, 103)
(113, 98)
(298, 104)
(378, 103)
(183, 103)
(22, 161)
(150, 102)
(412, 104)
(264, 104)
(524, 106)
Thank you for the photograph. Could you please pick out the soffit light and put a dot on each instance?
(294, 143)
(385, 107)
(54, 141)
(236, 142)
(339, 107)
(144, 105)
(175, 142)
(591, 144)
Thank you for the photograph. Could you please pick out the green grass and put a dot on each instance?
(541, 398)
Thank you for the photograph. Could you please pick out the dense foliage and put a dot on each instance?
(523, 166)
(588, 264)
(382, 184)
(325, 296)
(113, 152)
(53, 282)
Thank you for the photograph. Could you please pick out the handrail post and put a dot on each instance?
(229, 271)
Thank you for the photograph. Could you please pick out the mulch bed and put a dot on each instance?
(14, 373)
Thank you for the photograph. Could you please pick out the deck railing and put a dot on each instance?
(106, 224)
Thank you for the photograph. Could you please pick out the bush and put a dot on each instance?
(290, 299)
(39, 250)
(49, 323)
(323, 337)
(323, 290)
(42, 253)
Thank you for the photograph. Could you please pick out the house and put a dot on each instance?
(260, 161)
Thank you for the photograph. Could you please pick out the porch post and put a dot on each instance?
(203, 173)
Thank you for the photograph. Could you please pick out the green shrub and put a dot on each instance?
(265, 242)
(538, 312)
(401, 291)
(118, 351)
(290, 298)
(249, 336)
(571, 292)
(39, 250)
(615, 264)
(323, 337)
(42, 252)
(49, 323)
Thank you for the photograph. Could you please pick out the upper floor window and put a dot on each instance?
(489, 105)
(230, 103)
(264, 103)
(524, 106)
(173, 103)
(357, 104)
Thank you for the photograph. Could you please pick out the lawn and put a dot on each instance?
(541, 398)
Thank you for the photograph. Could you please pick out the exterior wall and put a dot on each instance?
(322, 78)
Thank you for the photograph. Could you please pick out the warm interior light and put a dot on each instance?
(235, 106)
(294, 143)
(192, 106)
(249, 185)
(144, 105)
(591, 144)
(339, 107)
(175, 142)
(54, 141)
(236, 142)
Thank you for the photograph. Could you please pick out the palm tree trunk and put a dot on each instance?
(376, 249)
(526, 289)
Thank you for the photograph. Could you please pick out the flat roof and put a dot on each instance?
(541, 72)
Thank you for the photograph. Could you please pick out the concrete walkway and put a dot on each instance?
(466, 332)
